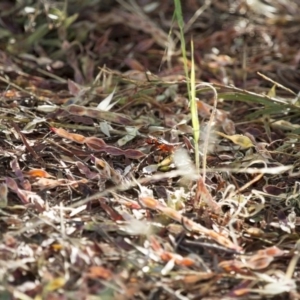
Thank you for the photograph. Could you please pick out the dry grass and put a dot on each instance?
(100, 197)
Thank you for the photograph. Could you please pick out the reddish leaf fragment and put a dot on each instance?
(113, 150)
(272, 251)
(134, 154)
(114, 215)
(95, 143)
(232, 266)
(161, 144)
(131, 205)
(274, 190)
(185, 261)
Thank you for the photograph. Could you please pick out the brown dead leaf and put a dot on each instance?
(99, 272)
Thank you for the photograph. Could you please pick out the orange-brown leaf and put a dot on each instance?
(99, 272)
(78, 138)
(38, 173)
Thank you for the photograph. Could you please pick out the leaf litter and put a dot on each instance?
(99, 193)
